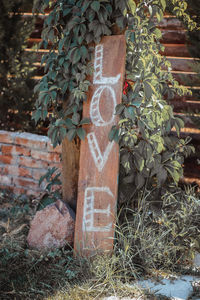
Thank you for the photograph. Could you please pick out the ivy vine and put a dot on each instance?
(150, 153)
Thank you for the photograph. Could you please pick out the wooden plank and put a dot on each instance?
(186, 64)
(70, 163)
(190, 106)
(189, 78)
(179, 50)
(99, 158)
(170, 22)
(173, 36)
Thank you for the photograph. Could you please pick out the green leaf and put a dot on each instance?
(180, 122)
(85, 6)
(129, 179)
(81, 133)
(177, 129)
(76, 56)
(139, 181)
(83, 51)
(130, 112)
(132, 37)
(91, 15)
(147, 90)
(85, 121)
(71, 134)
(137, 102)
(62, 132)
(69, 124)
(161, 176)
(158, 33)
(95, 5)
(36, 115)
(112, 133)
(163, 3)
(44, 202)
(139, 161)
(132, 6)
(66, 11)
(174, 174)
(75, 118)
(119, 109)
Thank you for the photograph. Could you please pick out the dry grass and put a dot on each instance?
(148, 241)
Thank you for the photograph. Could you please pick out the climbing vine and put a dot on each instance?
(149, 151)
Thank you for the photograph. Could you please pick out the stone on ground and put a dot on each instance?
(178, 289)
(52, 227)
(118, 298)
(196, 261)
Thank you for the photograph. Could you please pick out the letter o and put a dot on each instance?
(95, 114)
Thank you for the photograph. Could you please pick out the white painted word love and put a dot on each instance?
(99, 158)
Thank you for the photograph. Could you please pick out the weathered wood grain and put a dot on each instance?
(99, 158)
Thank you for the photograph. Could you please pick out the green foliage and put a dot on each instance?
(179, 9)
(16, 65)
(52, 186)
(72, 28)
(193, 37)
(150, 154)
(52, 179)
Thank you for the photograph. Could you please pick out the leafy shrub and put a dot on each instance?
(160, 238)
(150, 154)
(52, 182)
(16, 66)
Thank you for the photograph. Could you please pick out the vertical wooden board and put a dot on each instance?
(99, 158)
(70, 162)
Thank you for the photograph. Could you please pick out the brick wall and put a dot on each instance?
(24, 158)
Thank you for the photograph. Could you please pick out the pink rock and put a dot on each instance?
(52, 227)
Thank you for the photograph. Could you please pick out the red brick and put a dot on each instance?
(7, 159)
(19, 191)
(30, 143)
(32, 163)
(18, 171)
(38, 173)
(57, 149)
(5, 180)
(15, 150)
(6, 137)
(7, 187)
(34, 193)
(29, 192)
(45, 156)
(22, 182)
(58, 166)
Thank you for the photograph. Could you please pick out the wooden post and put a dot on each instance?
(99, 158)
(70, 162)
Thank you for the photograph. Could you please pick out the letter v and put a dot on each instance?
(99, 159)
